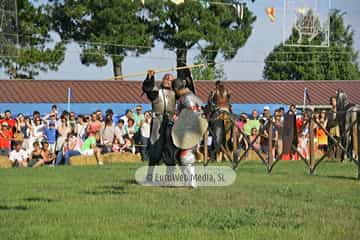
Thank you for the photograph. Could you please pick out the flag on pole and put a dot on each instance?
(306, 97)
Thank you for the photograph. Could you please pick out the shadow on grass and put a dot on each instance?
(20, 208)
(129, 182)
(107, 190)
(39, 199)
(340, 177)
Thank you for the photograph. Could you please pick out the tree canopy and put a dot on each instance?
(217, 27)
(339, 61)
(104, 29)
(36, 50)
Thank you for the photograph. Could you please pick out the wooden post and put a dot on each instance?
(235, 144)
(206, 152)
(355, 135)
(311, 143)
(358, 135)
(270, 154)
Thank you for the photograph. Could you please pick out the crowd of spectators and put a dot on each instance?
(54, 138)
(33, 141)
(289, 128)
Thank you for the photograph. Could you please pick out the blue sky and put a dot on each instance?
(247, 65)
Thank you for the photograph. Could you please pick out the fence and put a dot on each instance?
(311, 162)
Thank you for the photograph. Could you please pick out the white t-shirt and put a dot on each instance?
(145, 130)
(125, 118)
(18, 156)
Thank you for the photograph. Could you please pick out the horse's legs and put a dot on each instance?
(218, 138)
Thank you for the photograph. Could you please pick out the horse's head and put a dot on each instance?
(341, 99)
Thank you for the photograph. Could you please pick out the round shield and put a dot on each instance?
(188, 129)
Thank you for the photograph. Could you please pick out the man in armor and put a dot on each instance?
(189, 128)
(161, 148)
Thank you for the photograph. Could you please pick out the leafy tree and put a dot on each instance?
(208, 71)
(33, 54)
(339, 61)
(118, 23)
(182, 26)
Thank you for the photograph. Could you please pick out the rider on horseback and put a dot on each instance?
(219, 99)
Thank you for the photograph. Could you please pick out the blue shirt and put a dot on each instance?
(50, 134)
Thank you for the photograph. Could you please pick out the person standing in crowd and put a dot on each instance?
(37, 131)
(251, 123)
(22, 128)
(266, 115)
(99, 116)
(279, 128)
(240, 124)
(94, 126)
(127, 116)
(63, 132)
(107, 135)
(255, 139)
(18, 156)
(54, 110)
(72, 122)
(9, 120)
(110, 115)
(5, 139)
(292, 108)
(321, 135)
(36, 115)
(138, 117)
(145, 126)
(50, 135)
(130, 128)
(333, 128)
(81, 126)
(120, 131)
(163, 108)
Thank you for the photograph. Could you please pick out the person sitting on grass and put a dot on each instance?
(72, 148)
(18, 156)
(126, 147)
(89, 148)
(47, 157)
(35, 155)
(116, 145)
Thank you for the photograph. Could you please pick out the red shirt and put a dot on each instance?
(10, 122)
(5, 139)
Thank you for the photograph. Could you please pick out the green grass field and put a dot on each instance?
(104, 203)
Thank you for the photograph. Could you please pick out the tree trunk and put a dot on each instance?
(181, 55)
(117, 67)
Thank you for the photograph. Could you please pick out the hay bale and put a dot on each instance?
(5, 162)
(81, 160)
(123, 157)
(253, 156)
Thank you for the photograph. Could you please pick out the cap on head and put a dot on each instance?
(267, 108)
